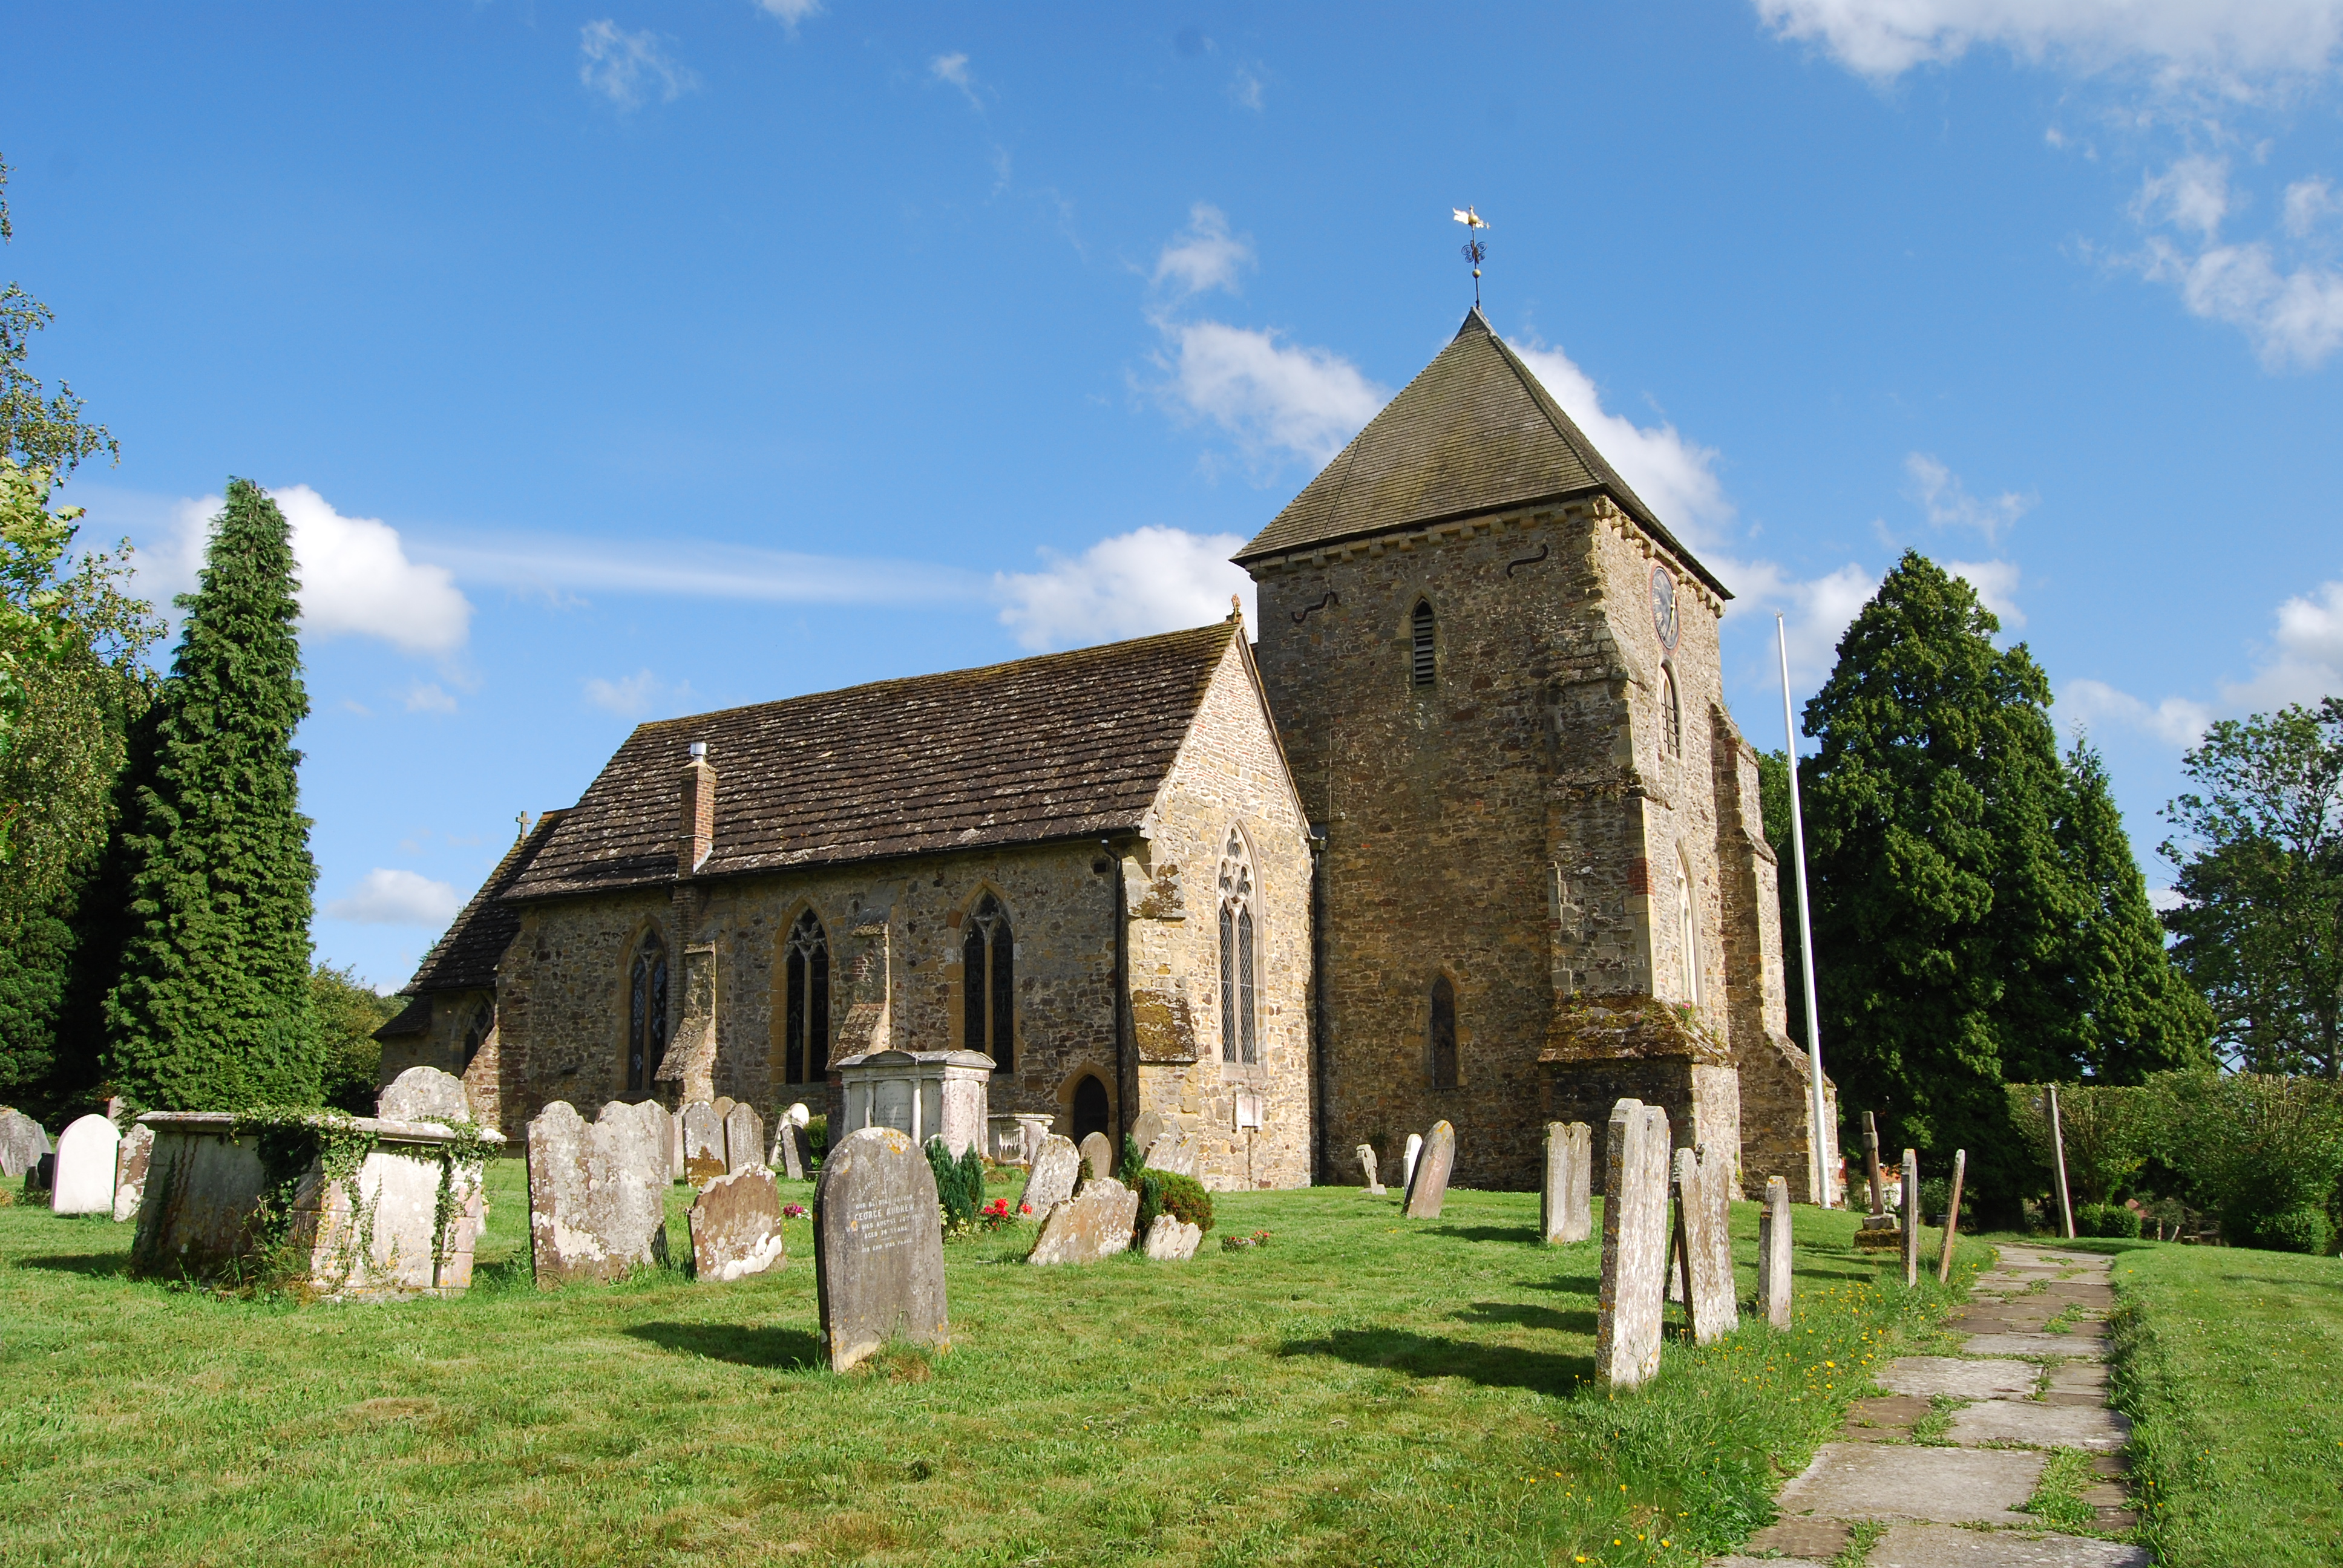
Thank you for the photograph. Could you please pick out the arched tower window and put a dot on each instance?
(646, 1012)
(805, 1015)
(1421, 665)
(1240, 1009)
(1670, 712)
(475, 1033)
(988, 983)
(1444, 1034)
(1687, 931)
(1091, 1113)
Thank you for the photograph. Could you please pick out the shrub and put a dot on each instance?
(2298, 1229)
(959, 1186)
(2107, 1220)
(818, 1135)
(2256, 1149)
(1182, 1197)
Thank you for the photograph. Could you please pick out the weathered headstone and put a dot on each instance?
(424, 1094)
(1634, 1244)
(744, 1139)
(1565, 1208)
(23, 1141)
(1367, 1164)
(703, 1142)
(1174, 1152)
(1407, 1160)
(1704, 1220)
(1098, 1156)
(1773, 1253)
(799, 1115)
(1147, 1128)
(722, 1106)
(736, 1225)
(793, 1155)
(877, 1247)
(1051, 1182)
(1172, 1240)
(596, 1197)
(1427, 1189)
(1097, 1224)
(130, 1164)
(84, 1180)
(671, 1146)
(1911, 1217)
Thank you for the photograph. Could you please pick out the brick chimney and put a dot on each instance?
(696, 831)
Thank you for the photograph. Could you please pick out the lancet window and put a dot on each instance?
(1443, 1033)
(1239, 1002)
(646, 1012)
(805, 1014)
(987, 982)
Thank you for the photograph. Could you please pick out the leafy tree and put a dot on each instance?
(348, 1011)
(209, 1003)
(2263, 1152)
(40, 430)
(2259, 849)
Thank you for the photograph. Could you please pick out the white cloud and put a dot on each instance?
(388, 897)
(1206, 255)
(1816, 611)
(1996, 583)
(1675, 478)
(638, 695)
(954, 68)
(789, 13)
(552, 563)
(1270, 397)
(2303, 663)
(2193, 193)
(428, 696)
(1246, 88)
(2308, 204)
(1949, 504)
(2085, 704)
(2294, 319)
(625, 66)
(1148, 580)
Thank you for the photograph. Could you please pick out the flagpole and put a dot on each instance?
(1820, 1137)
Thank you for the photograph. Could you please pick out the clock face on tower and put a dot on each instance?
(1663, 606)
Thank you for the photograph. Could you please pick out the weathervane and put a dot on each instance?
(1475, 251)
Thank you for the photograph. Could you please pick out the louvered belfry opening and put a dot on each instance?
(988, 980)
(646, 1013)
(1423, 661)
(805, 1046)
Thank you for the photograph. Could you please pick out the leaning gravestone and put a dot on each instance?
(1097, 1224)
(793, 1155)
(877, 1247)
(1634, 1244)
(736, 1225)
(1098, 1156)
(424, 1094)
(1911, 1217)
(1407, 1159)
(597, 1196)
(1050, 1181)
(1428, 1188)
(1773, 1253)
(1703, 1183)
(744, 1139)
(1566, 1209)
(23, 1141)
(84, 1180)
(130, 1164)
(703, 1142)
(1171, 1240)
(1367, 1164)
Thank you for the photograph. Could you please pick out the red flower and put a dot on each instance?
(1022, 1208)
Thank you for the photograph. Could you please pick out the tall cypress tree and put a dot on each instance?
(209, 1004)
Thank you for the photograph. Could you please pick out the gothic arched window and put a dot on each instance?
(805, 1014)
(1687, 931)
(1444, 1034)
(1420, 665)
(475, 1033)
(646, 1012)
(988, 984)
(1670, 712)
(1240, 1008)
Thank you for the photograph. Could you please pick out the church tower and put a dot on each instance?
(1544, 883)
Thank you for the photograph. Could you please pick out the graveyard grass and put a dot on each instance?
(1359, 1390)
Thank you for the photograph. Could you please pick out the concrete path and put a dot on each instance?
(2030, 1377)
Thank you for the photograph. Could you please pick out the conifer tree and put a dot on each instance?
(210, 1003)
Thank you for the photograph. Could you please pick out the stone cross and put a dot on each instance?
(1097, 1225)
(1565, 1206)
(1773, 1253)
(1911, 1217)
(84, 1182)
(744, 1139)
(1367, 1164)
(130, 1164)
(1428, 1187)
(1634, 1244)
(736, 1225)
(1407, 1160)
(703, 1142)
(877, 1247)
(597, 1196)
(1704, 1182)
(1050, 1180)
(1098, 1156)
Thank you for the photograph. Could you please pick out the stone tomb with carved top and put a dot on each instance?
(922, 1094)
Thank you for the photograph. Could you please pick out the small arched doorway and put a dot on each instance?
(1093, 1113)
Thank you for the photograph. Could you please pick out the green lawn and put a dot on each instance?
(1360, 1390)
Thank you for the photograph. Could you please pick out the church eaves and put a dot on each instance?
(1474, 432)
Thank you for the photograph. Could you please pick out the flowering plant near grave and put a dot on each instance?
(793, 1212)
(997, 1214)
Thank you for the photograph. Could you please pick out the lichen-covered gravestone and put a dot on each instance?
(877, 1247)
(424, 1094)
(1634, 1244)
(1407, 1159)
(1703, 1183)
(1149, 1127)
(1098, 1156)
(1367, 1164)
(597, 1196)
(1427, 1189)
(84, 1180)
(703, 1142)
(1172, 1240)
(1056, 1164)
(736, 1225)
(23, 1141)
(744, 1139)
(1174, 1152)
(1773, 1253)
(1565, 1208)
(1097, 1225)
(130, 1164)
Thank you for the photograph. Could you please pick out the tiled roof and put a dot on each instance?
(1064, 745)
(465, 957)
(1474, 432)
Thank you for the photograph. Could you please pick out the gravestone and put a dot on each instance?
(1098, 1156)
(1634, 1244)
(722, 1106)
(671, 1146)
(1911, 1217)
(597, 1196)
(1147, 1128)
(23, 1141)
(744, 1139)
(1174, 1152)
(877, 1247)
(799, 1115)
(84, 1180)
(736, 1225)
(1171, 1240)
(1051, 1179)
(1565, 1208)
(424, 1094)
(1367, 1164)
(792, 1154)
(130, 1164)
(1773, 1253)
(1427, 1189)
(1097, 1225)
(1704, 1182)
(1407, 1160)
(703, 1142)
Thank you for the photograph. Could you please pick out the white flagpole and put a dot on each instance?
(1820, 1137)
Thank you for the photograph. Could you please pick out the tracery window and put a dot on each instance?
(805, 1014)
(1420, 649)
(1444, 1034)
(475, 1033)
(988, 984)
(1239, 1002)
(646, 1013)
(1687, 931)
(1670, 712)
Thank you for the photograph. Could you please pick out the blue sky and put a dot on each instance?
(617, 362)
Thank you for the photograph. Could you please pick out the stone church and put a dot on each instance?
(1467, 834)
